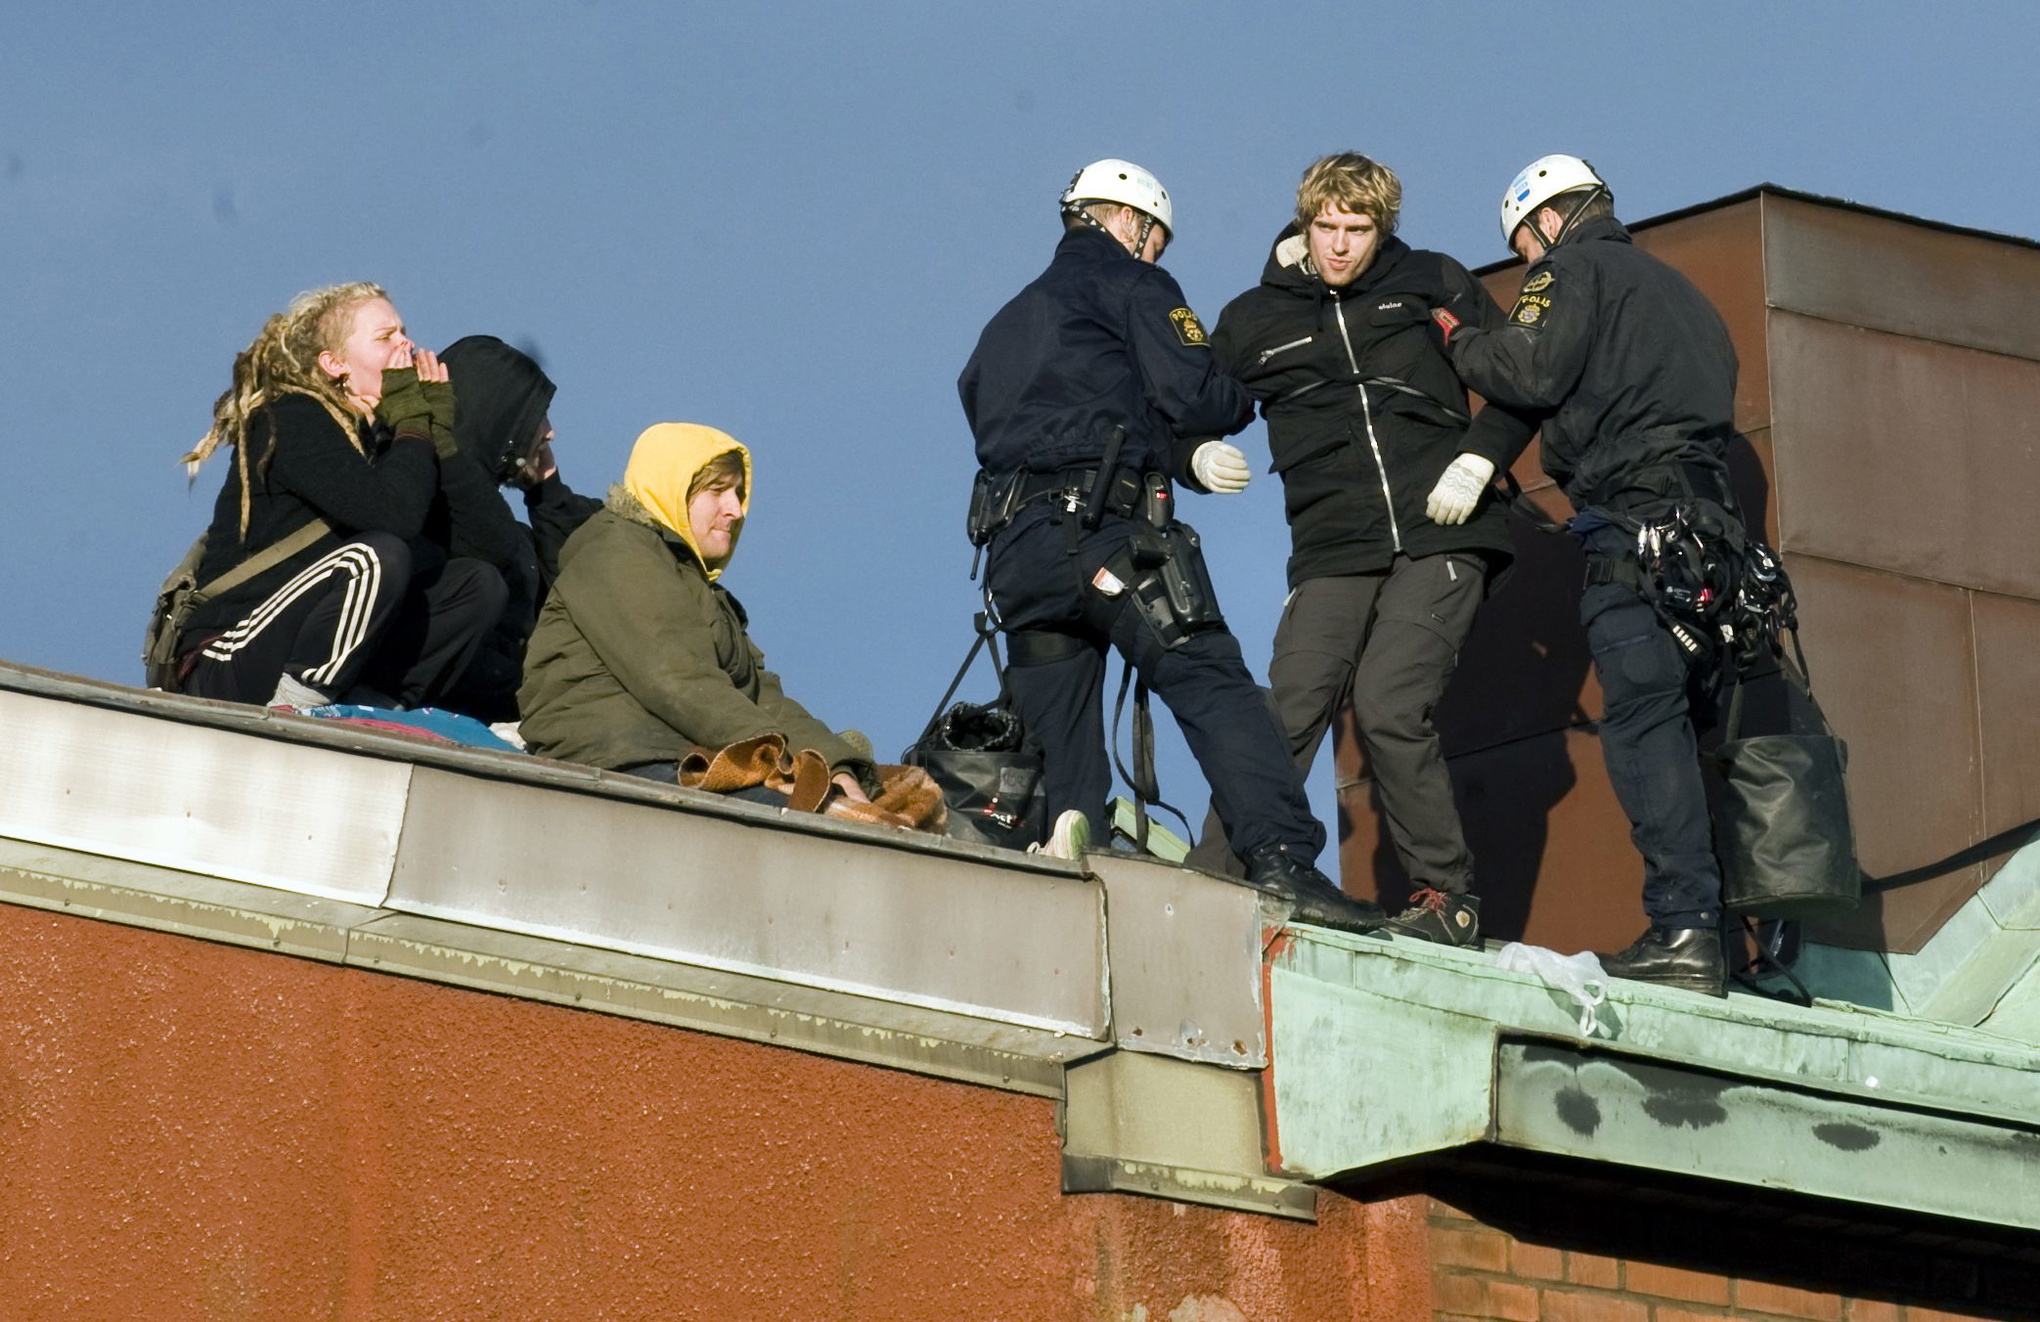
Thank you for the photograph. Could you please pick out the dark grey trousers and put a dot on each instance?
(1390, 641)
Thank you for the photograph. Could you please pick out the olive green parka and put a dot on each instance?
(639, 657)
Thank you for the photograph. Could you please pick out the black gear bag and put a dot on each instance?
(1782, 828)
(989, 771)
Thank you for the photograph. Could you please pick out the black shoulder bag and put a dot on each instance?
(182, 593)
(988, 770)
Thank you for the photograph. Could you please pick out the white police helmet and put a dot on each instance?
(1539, 182)
(1114, 180)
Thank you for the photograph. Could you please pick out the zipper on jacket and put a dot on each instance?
(1367, 413)
(1266, 354)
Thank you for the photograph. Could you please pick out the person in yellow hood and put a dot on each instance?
(640, 656)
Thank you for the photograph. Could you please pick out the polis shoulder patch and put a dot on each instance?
(1531, 305)
(1188, 328)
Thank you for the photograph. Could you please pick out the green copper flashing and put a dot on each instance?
(1383, 1051)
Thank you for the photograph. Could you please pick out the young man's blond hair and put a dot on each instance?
(1349, 181)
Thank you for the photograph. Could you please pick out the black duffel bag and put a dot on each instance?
(1782, 828)
(990, 773)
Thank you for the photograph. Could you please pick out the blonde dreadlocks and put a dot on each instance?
(284, 360)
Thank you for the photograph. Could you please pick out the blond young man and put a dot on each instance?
(1394, 534)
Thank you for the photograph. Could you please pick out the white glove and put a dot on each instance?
(1221, 468)
(1459, 488)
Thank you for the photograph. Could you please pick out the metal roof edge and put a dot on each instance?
(525, 768)
(970, 1049)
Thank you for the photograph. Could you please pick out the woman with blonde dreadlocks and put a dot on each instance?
(337, 423)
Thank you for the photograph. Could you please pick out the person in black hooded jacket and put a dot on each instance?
(504, 432)
(1394, 535)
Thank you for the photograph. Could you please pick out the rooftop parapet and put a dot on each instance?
(1204, 1049)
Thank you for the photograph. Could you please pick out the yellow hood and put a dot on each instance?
(662, 464)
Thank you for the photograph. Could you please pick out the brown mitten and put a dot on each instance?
(748, 762)
(912, 794)
(851, 810)
(804, 781)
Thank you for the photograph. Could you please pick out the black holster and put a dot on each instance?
(991, 505)
(1164, 577)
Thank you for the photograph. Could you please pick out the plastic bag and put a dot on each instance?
(1578, 976)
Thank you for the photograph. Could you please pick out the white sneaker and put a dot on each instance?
(1070, 838)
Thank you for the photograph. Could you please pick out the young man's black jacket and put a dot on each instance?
(1364, 411)
(1099, 340)
(1630, 362)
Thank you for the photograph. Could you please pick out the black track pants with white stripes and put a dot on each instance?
(357, 614)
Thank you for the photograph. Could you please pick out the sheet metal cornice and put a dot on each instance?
(487, 839)
(1384, 1052)
(969, 1049)
(496, 765)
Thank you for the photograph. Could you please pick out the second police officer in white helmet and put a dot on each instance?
(1633, 375)
(1092, 397)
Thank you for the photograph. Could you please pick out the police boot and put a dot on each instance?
(1687, 957)
(1440, 916)
(1312, 897)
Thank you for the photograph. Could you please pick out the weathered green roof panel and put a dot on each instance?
(1387, 1050)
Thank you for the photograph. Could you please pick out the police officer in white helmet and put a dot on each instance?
(1632, 372)
(1093, 399)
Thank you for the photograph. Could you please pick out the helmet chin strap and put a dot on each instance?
(1596, 191)
(1147, 224)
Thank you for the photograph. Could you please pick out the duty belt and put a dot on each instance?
(1673, 481)
(996, 501)
(1122, 494)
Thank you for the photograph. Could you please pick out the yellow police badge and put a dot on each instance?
(1188, 328)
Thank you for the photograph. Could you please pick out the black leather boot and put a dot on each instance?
(1687, 957)
(1312, 896)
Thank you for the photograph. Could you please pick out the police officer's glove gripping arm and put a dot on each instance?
(1221, 467)
(1459, 489)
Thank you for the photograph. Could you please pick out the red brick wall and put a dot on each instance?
(1479, 1272)
(190, 1130)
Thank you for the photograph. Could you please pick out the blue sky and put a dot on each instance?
(790, 221)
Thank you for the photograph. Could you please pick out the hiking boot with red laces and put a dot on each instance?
(1440, 916)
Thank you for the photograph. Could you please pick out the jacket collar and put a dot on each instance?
(1092, 245)
(1600, 227)
(1289, 267)
(630, 509)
